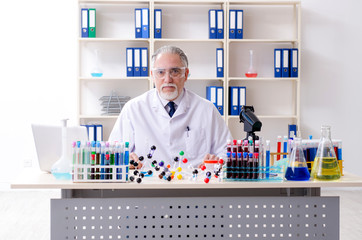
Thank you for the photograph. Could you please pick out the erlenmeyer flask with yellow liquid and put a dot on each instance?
(325, 166)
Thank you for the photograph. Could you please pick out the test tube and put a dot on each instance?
(256, 166)
(279, 146)
(285, 146)
(228, 145)
(245, 159)
(249, 167)
(256, 160)
(228, 166)
(98, 159)
(93, 159)
(74, 154)
(233, 164)
(267, 159)
(103, 160)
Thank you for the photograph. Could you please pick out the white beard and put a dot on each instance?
(169, 95)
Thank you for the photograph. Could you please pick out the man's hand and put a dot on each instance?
(133, 156)
(209, 157)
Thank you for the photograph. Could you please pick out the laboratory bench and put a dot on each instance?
(183, 209)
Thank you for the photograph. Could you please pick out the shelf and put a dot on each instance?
(263, 2)
(269, 117)
(187, 40)
(111, 78)
(262, 40)
(204, 78)
(113, 1)
(262, 79)
(269, 24)
(147, 40)
(97, 116)
(188, 2)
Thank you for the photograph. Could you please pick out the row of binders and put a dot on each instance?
(88, 22)
(137, 62)
(285, 62)
(142, 23)
(95, 132)
(237, 98)
(216, 24)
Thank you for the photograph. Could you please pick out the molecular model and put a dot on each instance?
(139, 174)
(217, 168)
(169, 173)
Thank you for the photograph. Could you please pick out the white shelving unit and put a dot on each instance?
(267, 25)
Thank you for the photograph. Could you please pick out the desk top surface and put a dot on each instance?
(35, 179)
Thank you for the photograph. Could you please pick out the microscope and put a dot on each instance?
(251, 123)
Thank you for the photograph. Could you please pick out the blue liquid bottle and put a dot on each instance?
(297, 169)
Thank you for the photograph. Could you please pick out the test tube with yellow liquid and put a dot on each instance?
(325, 166)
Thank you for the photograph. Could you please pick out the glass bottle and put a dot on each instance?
(251, 71)
(62, 169)
(325, 166)
(297, 169)
(97, 71)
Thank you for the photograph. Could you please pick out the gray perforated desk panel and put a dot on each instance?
(188, 210)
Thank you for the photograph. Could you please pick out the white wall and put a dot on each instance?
(39, 68)
(331, 86)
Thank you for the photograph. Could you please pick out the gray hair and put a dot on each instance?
(172, 50)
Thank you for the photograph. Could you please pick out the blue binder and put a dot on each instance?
(138, 22)
(95, 132)
(220, 99)
(220, 24)
(84, 22)
(277, 63)
(232, 24)
(285, 62)
(242, 97)
(239, 24)
(219, 62)
(158, 23)
(145, 23)
(294, 62)
(98, 134)
(292, 129)
(129, 62)
(90, 132)
(211, 94)
(144, 62)
(234, 101)
(137, 62)
(212, 24)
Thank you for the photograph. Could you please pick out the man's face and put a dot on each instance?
(169, 75)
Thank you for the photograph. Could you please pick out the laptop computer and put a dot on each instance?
(48, 142)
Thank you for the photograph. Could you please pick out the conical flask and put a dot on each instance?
(325, 166)
(97, 71)
(297, 169)
(62, 169)
(251, 73)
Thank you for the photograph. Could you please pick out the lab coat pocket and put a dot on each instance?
(195, 144)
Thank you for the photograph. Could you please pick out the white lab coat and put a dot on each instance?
(196, 128)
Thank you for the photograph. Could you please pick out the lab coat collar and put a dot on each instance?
(182, 107)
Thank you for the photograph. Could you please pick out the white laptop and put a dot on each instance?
(48, 142)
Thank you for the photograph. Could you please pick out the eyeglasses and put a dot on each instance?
(175, 72)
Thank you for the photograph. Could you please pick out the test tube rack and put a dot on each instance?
(103, 173)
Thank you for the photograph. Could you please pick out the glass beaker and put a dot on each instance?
(251, 71)
(325, 166)
(97, 71)
(297, 169)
